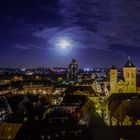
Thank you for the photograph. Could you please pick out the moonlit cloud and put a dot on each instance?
(21, 47)
(96, 24)
(80, 38)
(95, 28)
(28, 47)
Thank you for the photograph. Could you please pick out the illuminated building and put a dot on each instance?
(73, 70)
(124, 109)
(126, 83)
(91, 83)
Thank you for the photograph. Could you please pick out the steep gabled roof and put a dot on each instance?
(124, 104)
(113, 67)
(121, 78)
(73, 89)
(129, 63)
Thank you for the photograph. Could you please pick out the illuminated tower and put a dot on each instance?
(113, 79)
(73, 70)
(129, 73)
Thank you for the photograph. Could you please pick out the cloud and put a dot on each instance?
(21, 47)
(79, 37)
(34, 46)
(91, 24)
(28, 47)
(117, 22)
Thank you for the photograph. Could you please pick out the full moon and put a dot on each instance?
(64, 44)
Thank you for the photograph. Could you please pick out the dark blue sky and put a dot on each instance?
(100, 32)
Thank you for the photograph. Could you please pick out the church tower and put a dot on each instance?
(129, 73)
(73, 70)
(113, 79)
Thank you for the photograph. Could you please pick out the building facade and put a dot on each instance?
(127, 82)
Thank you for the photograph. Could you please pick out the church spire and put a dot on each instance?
(129, 63)
(129, 58)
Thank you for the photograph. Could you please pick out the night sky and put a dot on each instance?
(98, 33)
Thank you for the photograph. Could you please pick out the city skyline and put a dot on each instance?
(89, 68)
(51, 33)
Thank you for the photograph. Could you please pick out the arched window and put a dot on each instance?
(120, 90)
(132, 75)
(127, 74)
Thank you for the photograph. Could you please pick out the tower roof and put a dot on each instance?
(120, 77)
(129, 63)
(113, 67)
(74, 60)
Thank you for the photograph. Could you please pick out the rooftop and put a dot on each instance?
(113, 67)
(129, 63)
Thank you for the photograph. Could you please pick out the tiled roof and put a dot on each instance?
(9, 130)
(72, 89)
(118, 103)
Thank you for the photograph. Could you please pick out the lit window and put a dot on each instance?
(127, 74)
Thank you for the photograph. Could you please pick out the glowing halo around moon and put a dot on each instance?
(64, 44)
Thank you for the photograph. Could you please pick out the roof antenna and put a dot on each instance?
(129, 58)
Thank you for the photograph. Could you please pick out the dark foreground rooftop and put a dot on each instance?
(40, 131)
